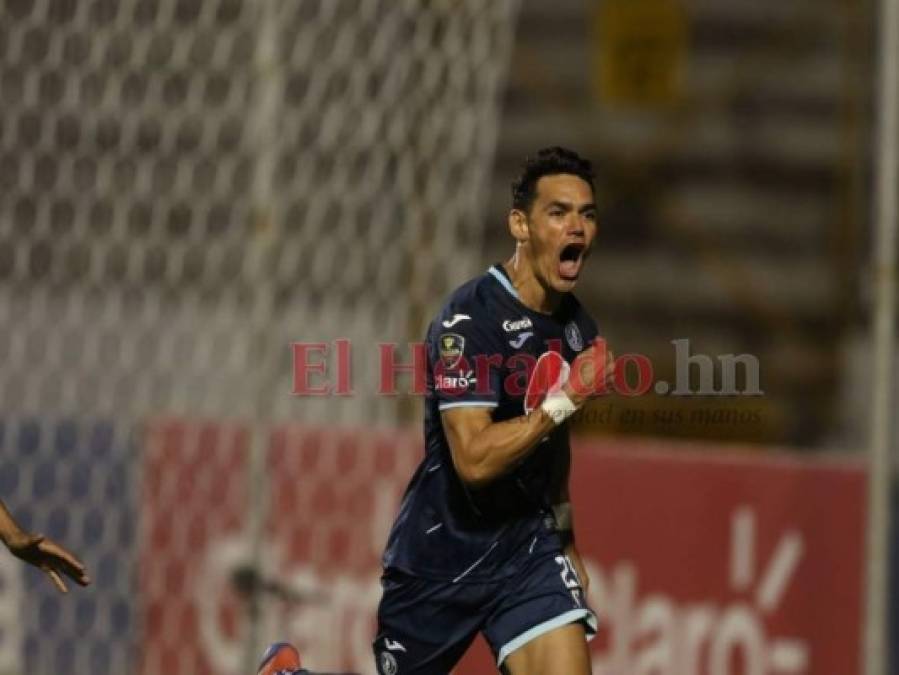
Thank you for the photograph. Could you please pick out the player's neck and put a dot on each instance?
(531, 292)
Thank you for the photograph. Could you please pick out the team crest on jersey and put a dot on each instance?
(573, 336)
(388, 664)
(451, 347)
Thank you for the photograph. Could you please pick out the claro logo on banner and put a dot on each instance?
(657, 634)
(707, 566)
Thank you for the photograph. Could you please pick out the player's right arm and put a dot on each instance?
(483, 450)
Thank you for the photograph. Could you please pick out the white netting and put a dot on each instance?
(187, 186)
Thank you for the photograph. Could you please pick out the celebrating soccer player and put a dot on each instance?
(484, 540)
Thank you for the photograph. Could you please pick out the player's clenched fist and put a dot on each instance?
(592, 373)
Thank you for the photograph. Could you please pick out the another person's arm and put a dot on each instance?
(41, 552)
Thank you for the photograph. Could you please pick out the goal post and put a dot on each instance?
(187, 187)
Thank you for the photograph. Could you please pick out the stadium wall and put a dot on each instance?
(701, 562)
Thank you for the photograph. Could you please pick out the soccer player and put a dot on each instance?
(484, 539)
(41, 552)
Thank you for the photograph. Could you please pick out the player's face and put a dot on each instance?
(561, 229)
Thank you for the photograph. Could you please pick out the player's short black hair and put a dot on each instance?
(547, 162)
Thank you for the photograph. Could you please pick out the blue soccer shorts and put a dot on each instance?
(425, 626)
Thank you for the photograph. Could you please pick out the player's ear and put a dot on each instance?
(518, 225)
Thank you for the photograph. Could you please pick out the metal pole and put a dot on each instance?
(883, 329)
(264, 116)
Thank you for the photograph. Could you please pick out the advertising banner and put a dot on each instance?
(700, 562)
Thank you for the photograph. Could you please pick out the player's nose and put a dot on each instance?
(576, 228)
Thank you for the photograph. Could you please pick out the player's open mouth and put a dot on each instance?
(570, 260)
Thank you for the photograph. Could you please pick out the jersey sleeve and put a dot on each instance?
(465, 359)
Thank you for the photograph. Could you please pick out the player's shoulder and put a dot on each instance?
(468, 317)
(472, 301)
(476, 294)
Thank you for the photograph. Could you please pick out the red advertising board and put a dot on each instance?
(330, 496)
(704, 563)
(192, 507)
(701, 563)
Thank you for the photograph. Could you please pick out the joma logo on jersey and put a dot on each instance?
(520, 324)
(451, 346)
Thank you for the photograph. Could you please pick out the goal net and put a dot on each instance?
(186, 188)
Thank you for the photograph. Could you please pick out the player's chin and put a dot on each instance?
(564, 284)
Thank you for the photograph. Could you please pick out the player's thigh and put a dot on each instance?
(562, 651)
(424, 626)
(535, 606)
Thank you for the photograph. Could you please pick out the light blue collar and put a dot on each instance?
(504, 280)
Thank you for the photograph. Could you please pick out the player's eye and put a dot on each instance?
(556, 213)
(590, 215)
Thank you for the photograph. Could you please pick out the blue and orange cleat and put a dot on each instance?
(280, 658)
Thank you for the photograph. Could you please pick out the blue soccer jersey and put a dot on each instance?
(481, 349)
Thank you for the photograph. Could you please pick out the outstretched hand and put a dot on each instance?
(47, 555)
